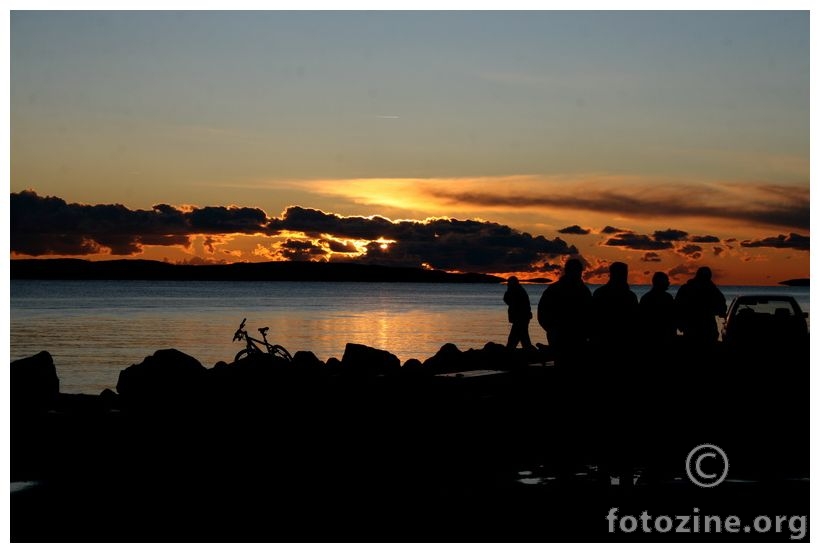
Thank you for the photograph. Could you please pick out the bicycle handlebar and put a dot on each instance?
(238, 334)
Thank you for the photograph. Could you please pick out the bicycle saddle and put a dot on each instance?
(264, 329)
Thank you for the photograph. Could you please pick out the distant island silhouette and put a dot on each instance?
(139, 269)
(795, 282)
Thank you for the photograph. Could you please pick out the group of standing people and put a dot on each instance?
(611, 319)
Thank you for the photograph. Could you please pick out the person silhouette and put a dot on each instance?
(657, 314)
(614, 326)
(615, 311)
(519, 314)
(658, 370)
(563, 312)
(698, 302)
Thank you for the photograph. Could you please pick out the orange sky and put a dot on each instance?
(688, 132)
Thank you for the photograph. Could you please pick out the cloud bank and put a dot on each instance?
(51, 226)
(448, 244)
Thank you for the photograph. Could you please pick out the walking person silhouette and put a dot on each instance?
(519, 314)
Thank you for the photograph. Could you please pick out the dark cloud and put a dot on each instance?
(770, 205)
(227, 219)
(596, 270)
(301, 250)
(690, 250)
(793, 241)
(315, 223)
(632, 241)
(670, 235)
(574, 229)
(683, 270)
(613, 230)
(64, 244)
(210, 243)
(717, 250)
(448, 244)
(651, 257)
(49, 225)
(337, 246)
(704, 239)
(686, 270)
(399, 254)
(551, 268)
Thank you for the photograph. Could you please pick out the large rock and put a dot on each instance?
(333, 367)
(305, 363)
(412, 366)
(448, 359)
(253, 378)
(168, 378)
(34, 385)
(496, 357)
(363, 361)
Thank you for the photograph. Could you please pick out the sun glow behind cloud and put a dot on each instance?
(598, 198)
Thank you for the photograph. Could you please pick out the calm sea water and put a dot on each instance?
(94, 329)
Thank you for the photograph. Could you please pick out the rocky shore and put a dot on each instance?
(477, 445)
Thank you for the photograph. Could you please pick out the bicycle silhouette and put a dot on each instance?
(252, 345)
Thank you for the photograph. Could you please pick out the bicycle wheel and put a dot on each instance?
(241, 355)
(278, 351)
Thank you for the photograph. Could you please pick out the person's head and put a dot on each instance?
(618, 272)
(573, 268)
(512, 281)
(704, 274)
(660, 281)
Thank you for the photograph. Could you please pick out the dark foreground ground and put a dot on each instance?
(519, 455)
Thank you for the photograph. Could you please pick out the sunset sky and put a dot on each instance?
(477, 141)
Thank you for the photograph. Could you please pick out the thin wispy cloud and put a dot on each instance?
(777, 206)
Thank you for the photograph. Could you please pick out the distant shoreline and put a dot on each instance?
(795, 282)
(302, 271)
